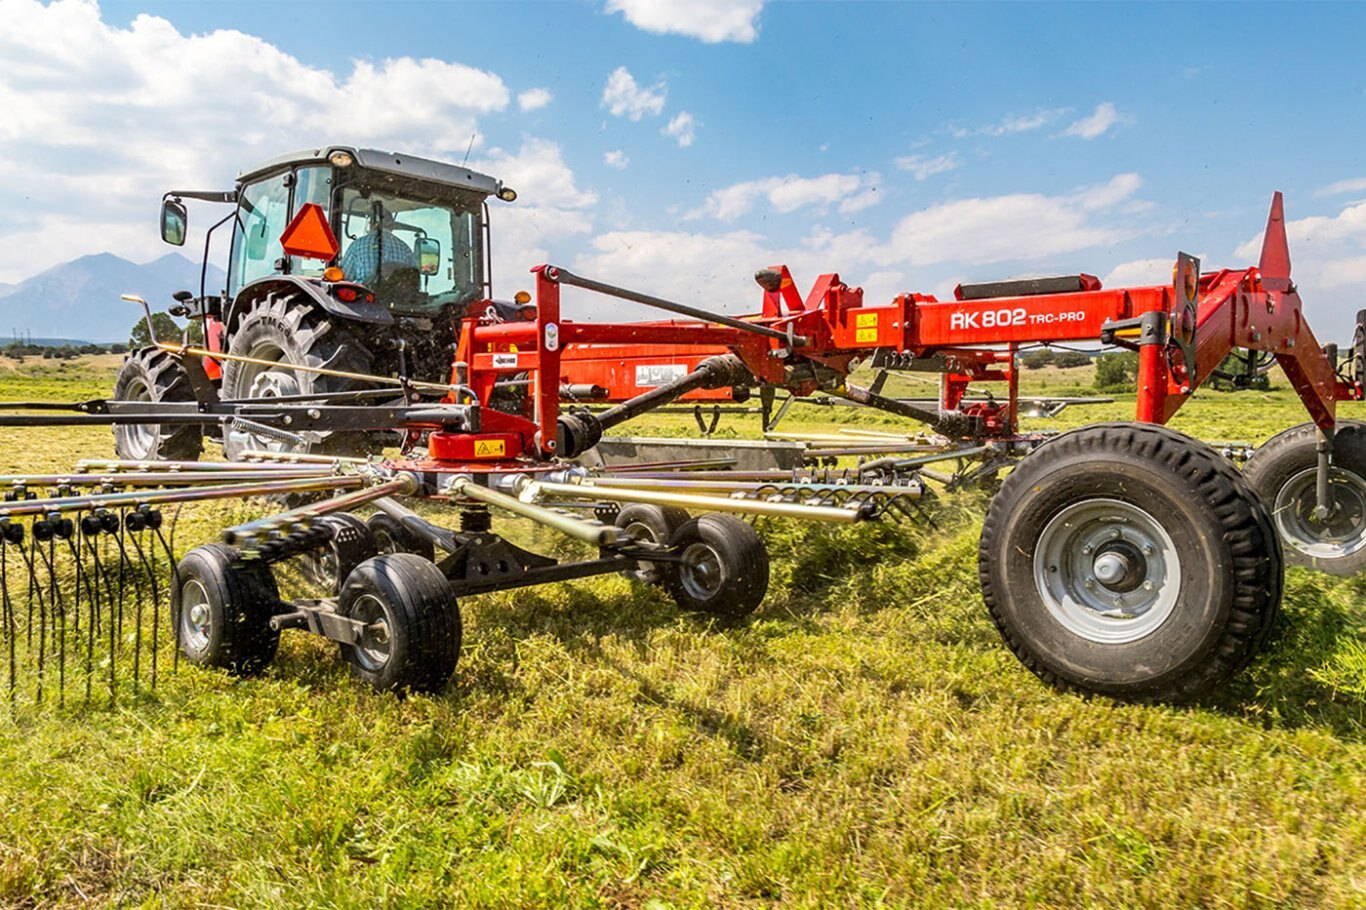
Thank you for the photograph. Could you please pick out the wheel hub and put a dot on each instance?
(700, 571)
(196, 623)
(1107, 571)
(1341, 533)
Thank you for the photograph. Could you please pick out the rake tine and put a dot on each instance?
(175, 582)
(136, 523)
(8, 607)
(54, 597)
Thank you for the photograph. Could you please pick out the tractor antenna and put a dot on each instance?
(469, 148)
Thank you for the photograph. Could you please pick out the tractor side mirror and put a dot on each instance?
(174, 222)
(428, 255)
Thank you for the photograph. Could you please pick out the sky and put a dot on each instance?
(676, 146)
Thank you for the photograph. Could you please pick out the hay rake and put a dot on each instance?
(1120, 558)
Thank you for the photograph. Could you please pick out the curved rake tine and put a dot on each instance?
(168, 549)
(54, 592)
(91, 529)
(8, 608)
(35, 589)
(137, 522)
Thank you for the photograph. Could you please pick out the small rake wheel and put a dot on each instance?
(390, 536)
(351, 544)
(221, 609)
(722, 567)
(414, 620)
(1284, 472)
(1131, 561)
(651, 524)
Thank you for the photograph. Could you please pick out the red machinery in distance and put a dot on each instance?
(1182, 332)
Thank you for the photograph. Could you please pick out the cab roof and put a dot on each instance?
(395, 163)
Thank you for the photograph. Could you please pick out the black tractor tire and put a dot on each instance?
(390, 536)
(288, 328)
(150, 374)
(417, 605)
(1131, 561)
(351, 544)
(653, 524)
(1284, 472)
(723, 569)
(221, 608)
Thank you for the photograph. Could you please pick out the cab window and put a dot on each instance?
(262, 215)
(312, 184)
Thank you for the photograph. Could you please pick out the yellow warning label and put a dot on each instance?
(863, 320)
(866, 336)
(489, 448)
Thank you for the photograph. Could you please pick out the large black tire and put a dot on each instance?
(289, 329)
(723, 568)
(221, 609)
(416, 603)
(653, 524)
(390, 536)
(351, 544)
(150, 374)
(1132, 561)
(1284, 471)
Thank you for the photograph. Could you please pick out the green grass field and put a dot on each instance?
(864, 739)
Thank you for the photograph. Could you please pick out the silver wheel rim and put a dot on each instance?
(700, 571)
(1107, 571)
(265, 382)
(1342, 533)
(196, 617)
(644, 571)
(369, 610)
(143, 436)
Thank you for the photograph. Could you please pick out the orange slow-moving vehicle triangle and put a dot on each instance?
(309, 235)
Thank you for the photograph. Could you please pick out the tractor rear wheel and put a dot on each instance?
(152, 375)
(221, 609)
(1132, 561)
(1284, 472)
(723, 567)
(651, 524)
(412, 602)
(285, 328)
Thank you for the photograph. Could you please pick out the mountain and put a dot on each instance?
(81, 297)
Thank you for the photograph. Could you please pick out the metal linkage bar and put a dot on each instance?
(251, 533)
(590, 532)
(533, 489)
(185, 494)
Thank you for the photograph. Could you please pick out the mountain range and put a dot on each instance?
(80, 298)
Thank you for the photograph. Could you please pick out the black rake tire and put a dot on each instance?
(390, 536)
(1284, 471)
(417, 605)
(287, 328)
(150, 374)
(724, 567)
(221, 608)
(351, 544)
(1131, 561)
(656, 524)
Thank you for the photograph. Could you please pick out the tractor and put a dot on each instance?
(409, 244)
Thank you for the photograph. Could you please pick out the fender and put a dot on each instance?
(312, 290)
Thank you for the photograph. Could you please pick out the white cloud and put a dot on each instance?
(1098, 123)
(1355, 185)
(617, 159)
(533, 99)
(1019, 226)
(1140, 273)
(682, 129)
(923, 167)
(95, 127)
(711, 21)
(852, 192)
(623, 97)
(1015, 123)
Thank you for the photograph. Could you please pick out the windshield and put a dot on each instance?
(417, 254)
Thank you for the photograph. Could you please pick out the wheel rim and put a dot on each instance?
(700, 571)
(263, 381)
(369, 610)
(638, 530)
(142, 436)
(322, 567)
(196, 617)
(1107, 571)
(1342, 533)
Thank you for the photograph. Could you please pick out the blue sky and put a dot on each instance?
(677, 146)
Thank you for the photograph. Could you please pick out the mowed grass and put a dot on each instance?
(863, 740)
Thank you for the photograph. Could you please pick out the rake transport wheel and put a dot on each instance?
(284, 328)
(221, 609)
(1284, 472)
(419, 640)
(1132, 561)
(652, 524)
(391, 536)
(722, 567)
(351, 544)
(152, 375)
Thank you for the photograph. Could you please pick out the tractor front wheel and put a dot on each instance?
(154, 376)
(1132, 561)
(1284, 472)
